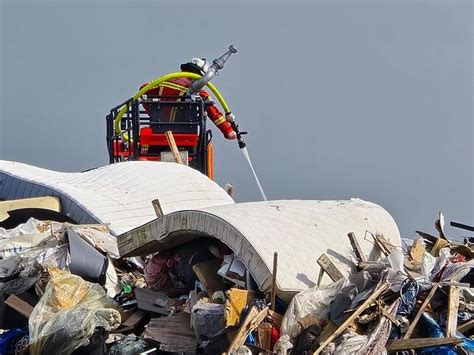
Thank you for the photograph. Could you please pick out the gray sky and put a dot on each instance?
(369, 99)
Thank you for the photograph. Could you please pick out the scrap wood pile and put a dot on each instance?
(418, 299)
(65, 290)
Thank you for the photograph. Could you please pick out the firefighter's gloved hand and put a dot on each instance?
(230, 117)
(232, 135)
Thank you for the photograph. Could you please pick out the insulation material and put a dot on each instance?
(300, 231)
(118, 195)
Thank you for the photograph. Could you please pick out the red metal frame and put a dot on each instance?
(147, 137)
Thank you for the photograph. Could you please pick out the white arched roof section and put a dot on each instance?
(119, 195)
(300, 231)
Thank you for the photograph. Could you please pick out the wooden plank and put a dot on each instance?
(173, 147)
(320, 276)
(275, 318)
(157, 207)
(19, 305)
(417, 250)
(383, 244)
(206, 272)
(329, 267)
(264, 336)
(465, 327)
(328, 330)
(415, 320)
(274, 275)
(427, 236)
(382, 288)
(453, 305)
(357, 249)
(254, 318)
(367, 264)
(417, 343)
(134, 319)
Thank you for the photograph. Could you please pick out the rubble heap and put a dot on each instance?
(64, 289)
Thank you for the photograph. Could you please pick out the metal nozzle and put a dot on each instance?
(240, 139)
(217, 64)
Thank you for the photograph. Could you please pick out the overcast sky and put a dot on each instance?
(369, 99)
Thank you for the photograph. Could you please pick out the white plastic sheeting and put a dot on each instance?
(119, 195)
(300, 231)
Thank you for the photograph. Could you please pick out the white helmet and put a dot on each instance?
(196, 65)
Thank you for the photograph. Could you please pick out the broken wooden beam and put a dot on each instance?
(415, 320)
(453, 306)
(382, 288)
(357, 249)
(157, 207)
(252, 321)
(417, 343)
(384, 245)
(465, 327)
(328, 266)
(173, 147)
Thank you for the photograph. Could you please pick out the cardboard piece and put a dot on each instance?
(206, 272)
(173, 333)
(236, 301)
(152, 301)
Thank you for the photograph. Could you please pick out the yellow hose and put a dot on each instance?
(156, 82)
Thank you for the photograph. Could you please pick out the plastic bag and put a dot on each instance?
(435, 331)
(208, 320)
(408, 294)
(377, 337)
(314, 301)
(30, 227)
(441, 261)
(129, 345)
(68, 313)
(350, 343)
(8, 338)
(283, 345)
(396, 275)
(56, 257)
(428, 263)
(456, 271)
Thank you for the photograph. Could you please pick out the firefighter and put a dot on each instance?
(179, 87)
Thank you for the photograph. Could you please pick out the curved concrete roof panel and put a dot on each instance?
(300, 231)
(119, 195)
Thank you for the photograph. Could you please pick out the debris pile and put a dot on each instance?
(64, 289)
(418, 298)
